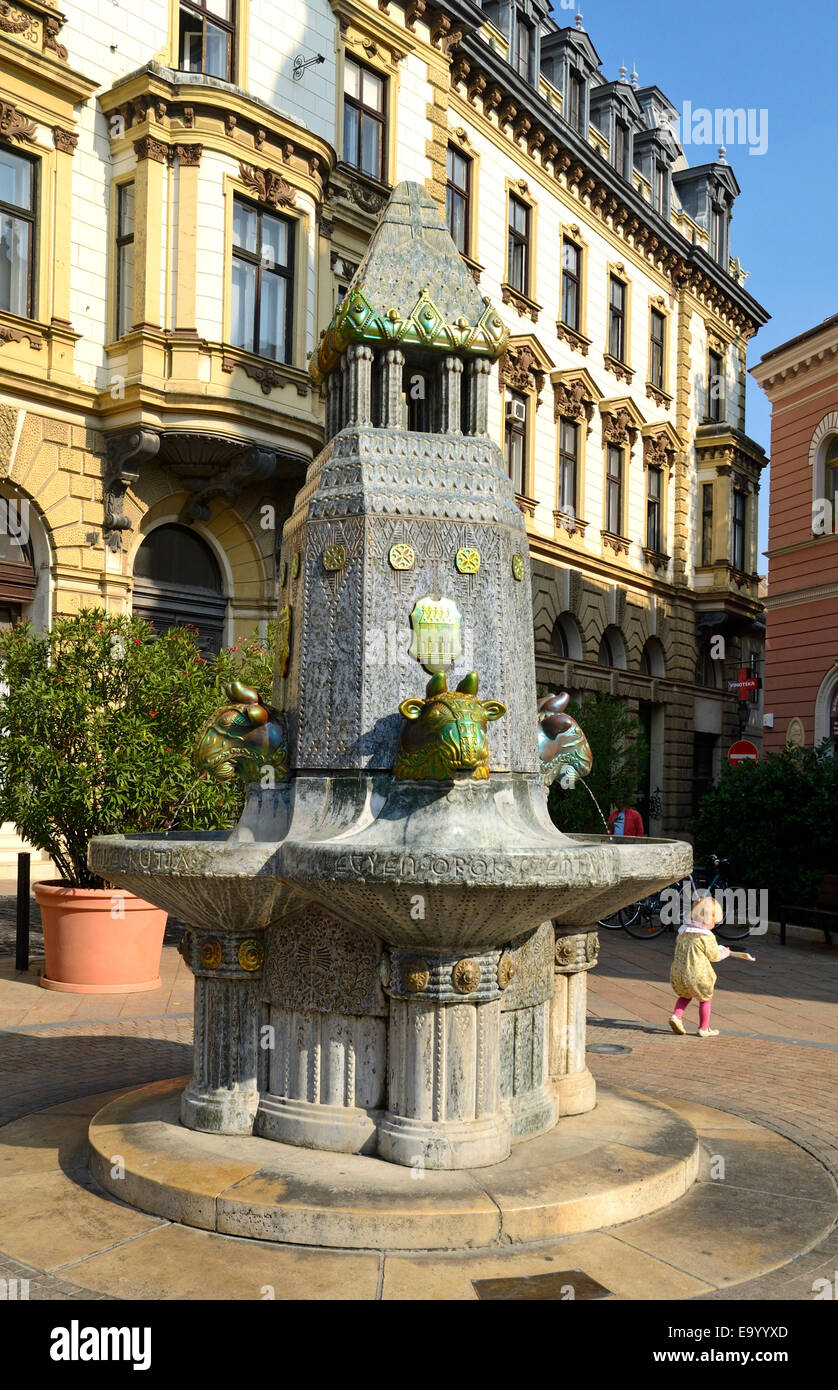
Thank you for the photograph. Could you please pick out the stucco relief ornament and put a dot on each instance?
(243, 738)
(446, 733)
(465, 976)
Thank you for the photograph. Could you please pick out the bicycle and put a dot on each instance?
(643, 919)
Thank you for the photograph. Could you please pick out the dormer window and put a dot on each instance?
(576, 101)
(717, 233)
(620, 145)
(523, 49)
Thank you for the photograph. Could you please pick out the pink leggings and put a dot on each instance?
(703, 1011)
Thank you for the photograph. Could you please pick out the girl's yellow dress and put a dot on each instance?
(692, 976)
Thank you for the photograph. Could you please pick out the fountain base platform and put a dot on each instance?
(630, 1156)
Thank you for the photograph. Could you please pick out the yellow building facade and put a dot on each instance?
(185, 195)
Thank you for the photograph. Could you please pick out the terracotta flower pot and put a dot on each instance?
(90, 948)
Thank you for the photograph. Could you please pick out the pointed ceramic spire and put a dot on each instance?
(412, 289)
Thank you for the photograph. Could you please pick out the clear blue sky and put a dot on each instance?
(769, 57)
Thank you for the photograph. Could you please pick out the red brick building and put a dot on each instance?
(800, 379)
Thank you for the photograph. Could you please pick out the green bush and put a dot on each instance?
(99, 721)
(619, 749)
(774, 820)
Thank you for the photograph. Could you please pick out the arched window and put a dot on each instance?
(612, 649)
(831, 475)
(651, 658)
(18, 577)
(566, 638)
(177, 581)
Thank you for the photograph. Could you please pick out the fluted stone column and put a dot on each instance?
(223, 1094)
(357, 385)
(479, 371)
(443, 1105)
(450, 379)
(575, 1086)
(525, 975)
(326, 1060)
(392, 383)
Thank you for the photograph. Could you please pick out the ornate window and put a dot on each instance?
(18, 204)
(124, 259)
(571, 283)
(458, 198)
(568, 466)
(614, 490)
(654, 493)
(657, 341)
(740, 511)
(518, 269)
(207, 28)
(515, 439)
(617, 318)
(263, 281)
(715, 386)
(706, 523)
(364, 118)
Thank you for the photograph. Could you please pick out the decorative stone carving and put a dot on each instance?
(8, 427)
(52, 28)
(14, 125)
(527, 1095)
(572, 401)
(519, 369)
(316, 963)
(149, 147)
(618, 368)
(575, 1088)
(65, 140)
(125, 452)
(268, 186)
(267, 377)
(189, 156)
(658, 452)
(577, 341)
(618, 427)
(20, 335)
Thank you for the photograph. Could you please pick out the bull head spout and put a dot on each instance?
(446, 733)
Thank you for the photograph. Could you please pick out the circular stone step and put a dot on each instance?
(628, 1157)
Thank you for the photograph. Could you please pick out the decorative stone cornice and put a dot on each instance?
(125, 451)
(520, 302)
(619, 544)
(64, 140)
(618, 368)
(14, 125)
(19, 335)
(661, 398)
(660, 446)
(569, 335)
(268, 376)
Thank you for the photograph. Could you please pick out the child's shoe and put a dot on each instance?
(676, 1024)
(708, 1032)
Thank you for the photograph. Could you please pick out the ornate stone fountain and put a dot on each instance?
(390, 950)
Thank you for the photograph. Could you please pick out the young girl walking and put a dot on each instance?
(692, 975)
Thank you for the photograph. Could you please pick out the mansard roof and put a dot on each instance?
(412, 289)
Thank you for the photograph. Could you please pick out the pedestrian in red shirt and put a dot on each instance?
(625, 820)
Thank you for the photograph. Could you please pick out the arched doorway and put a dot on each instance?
(177, 580)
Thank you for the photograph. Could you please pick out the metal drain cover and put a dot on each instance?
(608, 1047)
(565, 1285)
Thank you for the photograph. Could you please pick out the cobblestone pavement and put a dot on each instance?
(776, 1062)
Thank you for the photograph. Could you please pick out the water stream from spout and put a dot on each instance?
(594, 800)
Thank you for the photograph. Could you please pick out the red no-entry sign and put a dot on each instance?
(743, 752)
